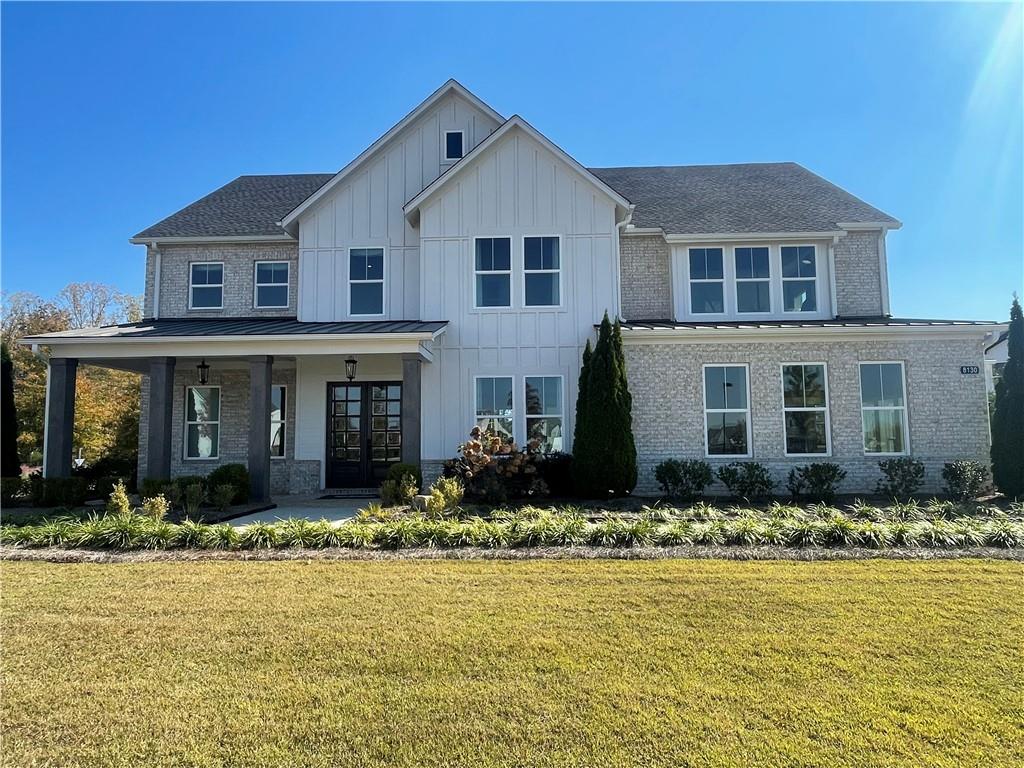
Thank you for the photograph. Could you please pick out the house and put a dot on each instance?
(321, 327)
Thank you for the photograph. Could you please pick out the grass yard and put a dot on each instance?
(535, 663)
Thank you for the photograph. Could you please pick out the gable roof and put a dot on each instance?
(452, 86)
(513, 123)
(248, 207)
(749, 197)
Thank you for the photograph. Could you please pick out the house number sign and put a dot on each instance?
(970, 370)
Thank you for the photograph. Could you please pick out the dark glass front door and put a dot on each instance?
(364, 432)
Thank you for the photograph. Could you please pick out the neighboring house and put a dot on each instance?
(996, 352)
(451, 274)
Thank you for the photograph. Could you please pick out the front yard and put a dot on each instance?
(535, 663)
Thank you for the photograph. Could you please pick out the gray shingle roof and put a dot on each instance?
(750, 197)
(247, 206)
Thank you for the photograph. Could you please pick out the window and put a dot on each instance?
(542, 265)
(494, 412)
(366, 281)
(883, 407)
(271, 284)
(453, 145)
(799, 270)
(726, 410)
(202, 422)
(206, 285)
(753, 286)
(805, 409)
(707, 295)
(544, 412)
(493, 265)
(278, 416)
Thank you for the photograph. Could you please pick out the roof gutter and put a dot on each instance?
(718, 335)
(282, 238)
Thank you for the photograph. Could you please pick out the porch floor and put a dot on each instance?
(310, 507)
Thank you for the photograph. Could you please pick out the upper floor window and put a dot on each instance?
(494, 411)
(271, 290)
(799, 278)
(707, 281)
(278, 411)
(544, 412)
(753, 280)
(883, 407)
(202, 422)
(805, 409)
(454, 142)
(206, 285)
(493, 272)
(366, 281)
(542, 271)
(726, 410)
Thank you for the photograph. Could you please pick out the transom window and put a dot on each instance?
(726, 410)
(883, 408)
(278, 419)
(494, 410)
(799, 278)
(202, 422)
(805, 408)
(493, 272)
(271, 284)
(753, 280)
(542, 268)
(453, 145)
(206, 285)
(707, 281)
(366, 281)
(544, 412)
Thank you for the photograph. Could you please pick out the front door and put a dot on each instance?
(364, 432)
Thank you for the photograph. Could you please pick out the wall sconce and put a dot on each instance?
(350, 368)
(204, 372)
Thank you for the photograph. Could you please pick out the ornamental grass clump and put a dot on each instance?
(746, 531)
(711, 533)
(873, 535)
(297, 532)
(259, 536)
(222, 536)
(803, 533)
(355, 535)
(157, 534)
(1004, 534)
(839, 531)
(861, 510)
(325, 534)
(777, 511)
(905, 511)
(192, 535)
(676, 534)
(702, 511)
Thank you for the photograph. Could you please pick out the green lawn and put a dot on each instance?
(536, 663)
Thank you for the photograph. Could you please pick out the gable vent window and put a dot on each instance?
(799, 275)
(454, 145)
(271, 284)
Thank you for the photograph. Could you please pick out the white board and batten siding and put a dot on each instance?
(365, 211)
(515, 189)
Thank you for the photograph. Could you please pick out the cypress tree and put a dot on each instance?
(10, 464)
(579, 431)
(1008, 420)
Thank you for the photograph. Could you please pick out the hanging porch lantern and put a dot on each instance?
(350, 368)
(204, 372)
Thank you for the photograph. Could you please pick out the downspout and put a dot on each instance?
(883, 273)
(156, 280)
(618, 258)
(832, 275)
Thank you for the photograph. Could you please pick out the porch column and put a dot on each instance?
(411, 369)
(58, 435)
(260, 369)
(158, 432)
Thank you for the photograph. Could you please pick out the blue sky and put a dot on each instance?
(115, 116)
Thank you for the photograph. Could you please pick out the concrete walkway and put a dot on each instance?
(312, 508)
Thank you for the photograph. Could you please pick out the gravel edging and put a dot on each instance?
(56, 555)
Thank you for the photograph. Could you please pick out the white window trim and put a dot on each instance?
(737, 280)
(704, 394)
(476, 410)
(905, 407)
(383, 279)
(807, 409)
(256, 285)
(283, 421)
(560, 415)
(184, 440)
(511, 268)
(561, 295)
(817, 282)
(191, 285)
(444, 145)
(723, 281)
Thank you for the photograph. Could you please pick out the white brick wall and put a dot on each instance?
(858, 278)
(646, 278)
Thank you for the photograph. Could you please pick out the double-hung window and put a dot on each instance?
(366, 281)
(805, 409)
(883, 408)
(707, 281)
(202, 422)
(542, 268)
(206, 285)
(726, 410)
(544, 412)
(493, 272)
(278, 418)
(494, 410)
(799, 278)
(753, 280)
(271, 290)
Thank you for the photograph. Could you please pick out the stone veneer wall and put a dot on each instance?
(287, 475)
(238, 259)
(646, 277)
(858, 277)
(948, 411)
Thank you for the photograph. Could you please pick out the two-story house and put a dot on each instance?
(322, 327)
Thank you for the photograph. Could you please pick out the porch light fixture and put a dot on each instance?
(204, 372)
(350, 368)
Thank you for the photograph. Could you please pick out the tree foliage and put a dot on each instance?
(1008, 420)
(604, 452)
(10, 464)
